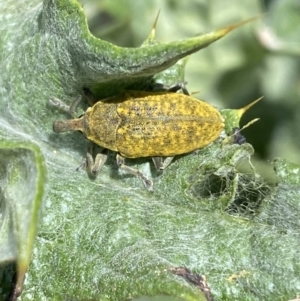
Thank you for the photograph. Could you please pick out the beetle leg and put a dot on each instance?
(55, 102)
(93, 166)
(179, 86)
(89, 96)
(238, 138)
(74, 104)
(158, 162)
(173, 88)
(121, 163)
(161, 164)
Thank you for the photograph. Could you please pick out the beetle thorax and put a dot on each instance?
(101, 123)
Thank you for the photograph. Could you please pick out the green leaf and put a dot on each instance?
(108, 238)
(22, 187)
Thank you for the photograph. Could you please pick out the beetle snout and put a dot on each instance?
(60, 126)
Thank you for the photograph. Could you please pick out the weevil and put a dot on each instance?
(137, 124)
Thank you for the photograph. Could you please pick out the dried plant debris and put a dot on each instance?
(194, 279)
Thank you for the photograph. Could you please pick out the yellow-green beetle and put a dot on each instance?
(146, 124)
